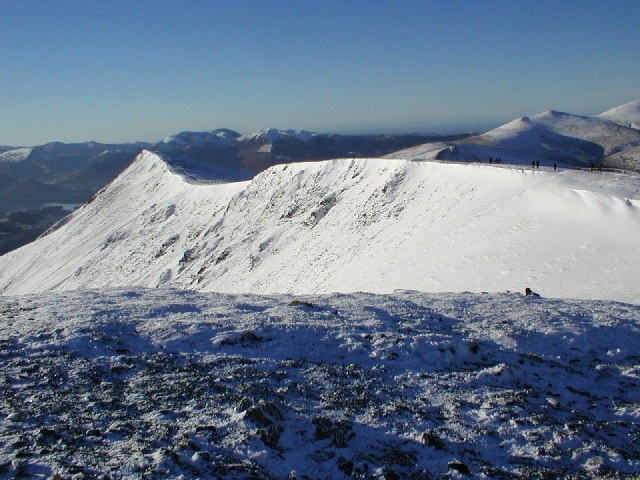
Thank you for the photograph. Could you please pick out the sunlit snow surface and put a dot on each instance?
(162, 383)
(348, 225)
(109, 373)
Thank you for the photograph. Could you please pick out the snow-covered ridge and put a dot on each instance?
(271, 135)
(627, 114)
(347, 225)
(561, 137)
(185, 139)
(611, 136)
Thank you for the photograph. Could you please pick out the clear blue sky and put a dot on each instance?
(120, 70)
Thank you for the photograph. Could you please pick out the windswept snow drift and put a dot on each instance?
(173, 384)
(347, 225)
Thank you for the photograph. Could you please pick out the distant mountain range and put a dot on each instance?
(245, 155)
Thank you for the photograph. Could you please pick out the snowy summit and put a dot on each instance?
(627, 114)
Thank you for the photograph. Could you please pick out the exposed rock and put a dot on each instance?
(431, 439)
(460, 467)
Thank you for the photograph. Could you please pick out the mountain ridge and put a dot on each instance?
(344, 225)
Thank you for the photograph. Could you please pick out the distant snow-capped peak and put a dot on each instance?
(271, 135)
(188, 138)
(558, 130)
(226, 136)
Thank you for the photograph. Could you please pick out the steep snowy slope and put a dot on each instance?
(115, 239)
(347, 225)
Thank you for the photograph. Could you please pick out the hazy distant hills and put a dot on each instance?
(60, 173)
(32, 193)
(257, 151)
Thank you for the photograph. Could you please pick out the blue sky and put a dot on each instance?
(119, 70)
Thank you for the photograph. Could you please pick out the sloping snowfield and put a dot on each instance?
(348, 225)
(137, 383)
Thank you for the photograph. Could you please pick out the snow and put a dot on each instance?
(156, 383)
(15, 154)
(185, 139)
(555, 136)
(628, 159)
(353, 318)
(549, 137)
(271, 135)
(347, 225)
(627, 114)
(610, 136)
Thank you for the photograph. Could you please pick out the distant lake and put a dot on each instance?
(65, 206)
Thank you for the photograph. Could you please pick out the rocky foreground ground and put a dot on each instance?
(171, 384)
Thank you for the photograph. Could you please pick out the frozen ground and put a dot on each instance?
(173, 384)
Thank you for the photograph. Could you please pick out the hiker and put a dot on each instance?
(555, 166)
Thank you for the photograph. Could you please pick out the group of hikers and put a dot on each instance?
(534, 163)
